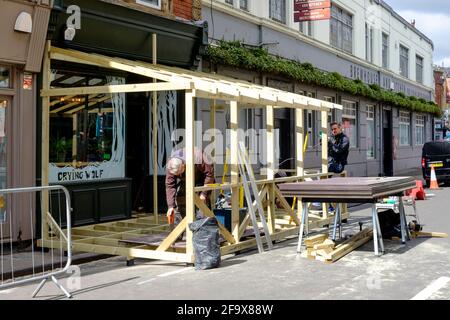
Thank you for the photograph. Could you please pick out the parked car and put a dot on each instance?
(436, 153)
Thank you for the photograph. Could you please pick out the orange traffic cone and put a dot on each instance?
(433, 181)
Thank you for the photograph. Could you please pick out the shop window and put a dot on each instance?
(331, 113)
(3, 154)
(420, 130)
(405, 128)
(5, 77)
(349, 122)
(370, 137)
(87, 132)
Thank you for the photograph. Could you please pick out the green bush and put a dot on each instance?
(236, 55)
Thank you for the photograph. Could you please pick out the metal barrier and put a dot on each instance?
(18, 216)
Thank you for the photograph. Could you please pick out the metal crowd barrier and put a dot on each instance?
(22, 262)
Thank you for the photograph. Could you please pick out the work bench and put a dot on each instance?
(351, 190)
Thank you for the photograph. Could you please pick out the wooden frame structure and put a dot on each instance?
(107, 238)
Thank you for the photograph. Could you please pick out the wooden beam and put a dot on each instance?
(172, 237)
(117, 88)
(90, 104)
(324, 130)
(208, 213)
(271, 145)
(123, 251)
(234, 144)
(155, 134)
(190, 166)
(108, 62)
(286, 206)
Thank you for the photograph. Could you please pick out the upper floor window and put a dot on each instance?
(369, 43)
(229, 2)
(405, 128)
(385, 50)
(419, 69)
(341, 29)
(404, 61)
(278, 10)
(150, 3)
(5, 77)
(243, 4)
(306, 28)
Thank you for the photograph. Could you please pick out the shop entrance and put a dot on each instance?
(387, 144)
(137, 142)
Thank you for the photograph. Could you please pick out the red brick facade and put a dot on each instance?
(183, 9)
(440, 90)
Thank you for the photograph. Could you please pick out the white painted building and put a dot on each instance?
(368, 32)
(365, 40)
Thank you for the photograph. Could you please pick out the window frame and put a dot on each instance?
(371, 116)
(342, 20)
(246, 8)
(283, 11)
(9, 78)
(420, 123)
(385, 50)
(402, 72)
(351, 117)
(405, 123)
(419, 58)
(150, 5)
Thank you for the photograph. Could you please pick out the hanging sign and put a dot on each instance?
(310, 10)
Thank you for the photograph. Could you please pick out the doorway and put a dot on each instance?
(137, 146)
(388, 162)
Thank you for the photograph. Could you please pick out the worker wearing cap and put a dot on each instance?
(176, 181)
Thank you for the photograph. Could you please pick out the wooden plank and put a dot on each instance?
(286, 206)
(207, 212)
(431, 234)
(344, 249)
(319, 238)
(270, 127)
(234, 143)
(155, 133)
(123, 251)
(172, 237)
(119, 88)
(190, 166)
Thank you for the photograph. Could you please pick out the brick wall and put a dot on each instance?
(439, 87)
(183, 9)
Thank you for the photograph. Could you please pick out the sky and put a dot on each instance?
(432, 19)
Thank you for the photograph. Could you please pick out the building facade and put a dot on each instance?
(23, 26)
(100, 145)
(364, 40)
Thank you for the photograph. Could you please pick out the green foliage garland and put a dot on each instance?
(236, 55)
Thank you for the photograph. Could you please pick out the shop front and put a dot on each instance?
(100, 144)
(23, 25)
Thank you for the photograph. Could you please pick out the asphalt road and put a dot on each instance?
(420, 269)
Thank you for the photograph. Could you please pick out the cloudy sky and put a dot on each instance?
(433, 19)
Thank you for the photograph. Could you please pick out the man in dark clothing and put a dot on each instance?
(176, 181)
(338, 146)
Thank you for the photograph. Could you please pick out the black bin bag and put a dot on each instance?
(206, 243)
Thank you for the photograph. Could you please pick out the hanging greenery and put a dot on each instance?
(236, 55)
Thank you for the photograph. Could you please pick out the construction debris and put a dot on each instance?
(421, 234)
(321, 248)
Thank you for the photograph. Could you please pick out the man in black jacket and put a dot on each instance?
(338, 146)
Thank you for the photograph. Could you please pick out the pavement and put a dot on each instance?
(418, 270)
